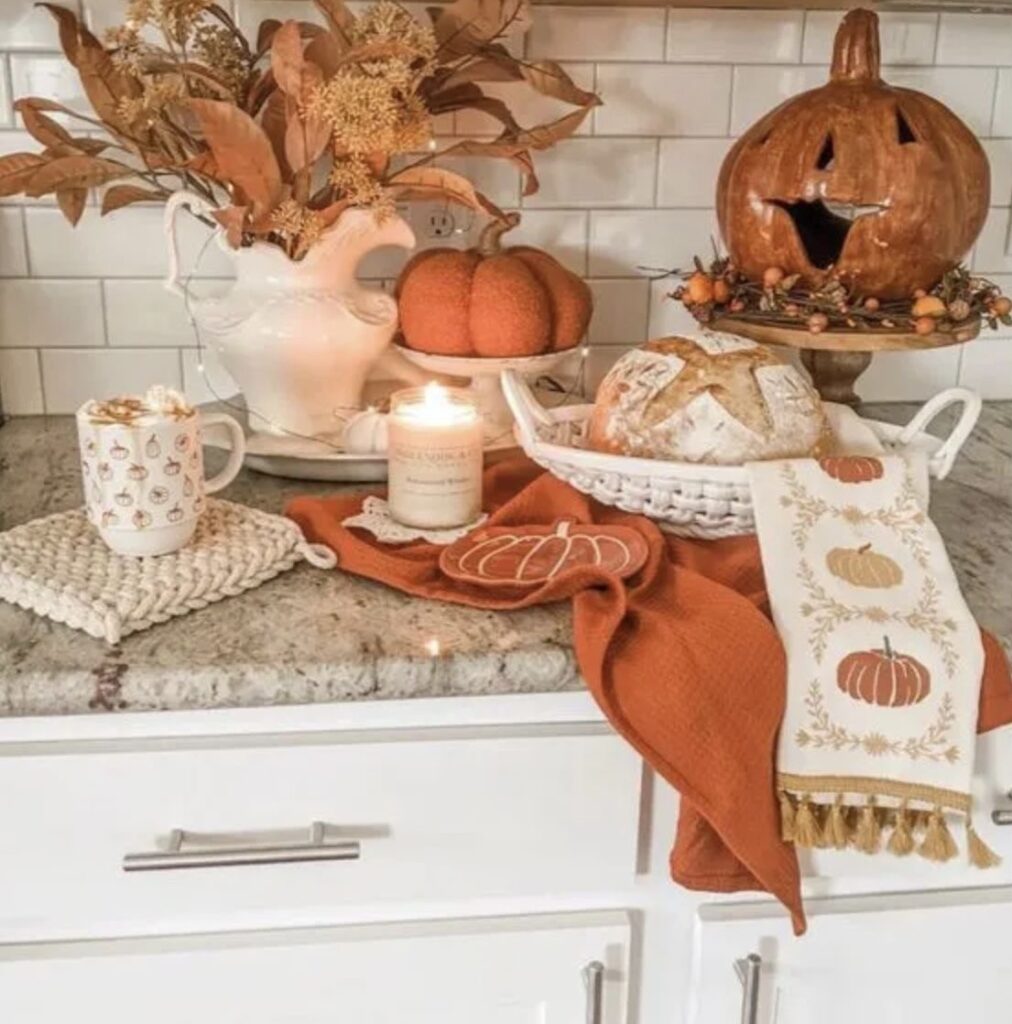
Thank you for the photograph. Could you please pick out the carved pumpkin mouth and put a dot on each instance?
(823, 225)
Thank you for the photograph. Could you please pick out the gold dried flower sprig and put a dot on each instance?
(283, 133)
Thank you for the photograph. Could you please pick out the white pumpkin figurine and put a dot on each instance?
(366, 433)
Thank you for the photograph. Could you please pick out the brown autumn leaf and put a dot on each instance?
(72, 202)
(325, 52)
(427, 182)
(265, 34)
(504, 150)
(490, 105)
(74, 172)
(546, 135)
(306, 137)
(274, 123)
(287, 60)
(15, 171)
(339, 19)
(465, 26)
(233, 220)
(68, 27)
(490, 67)
(549, 79)
(242, 152)
(40, 126)
(118, 196)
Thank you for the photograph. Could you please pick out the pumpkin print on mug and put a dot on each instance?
(142, 502)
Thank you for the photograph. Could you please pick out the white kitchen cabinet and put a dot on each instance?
(929, 957)
(534, 970)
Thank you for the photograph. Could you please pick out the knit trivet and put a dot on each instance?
(60, 567)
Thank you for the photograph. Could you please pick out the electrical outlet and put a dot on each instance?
(440, 223)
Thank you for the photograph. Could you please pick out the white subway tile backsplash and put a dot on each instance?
(753, 36)
(528, 107)
(909, 376)
(635, 243)
(563, 233)
(597, 33)
(41, 313)
(142, 313)
(21, 382)
(600, 360)
(974, 39)
(991, 254)
(83, 312)
(667, 315)
(26, 26)
(987, 366)
(999, 155)
(127, 243)
(620, 311)
(907, 37)
(687, 171)
(72, 376)
(663, 99)
(597, 172)
(1001, 124)
(51, 77)
(969, 92)
(13, 257)
(757, 90)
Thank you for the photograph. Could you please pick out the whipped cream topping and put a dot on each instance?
(159, 404)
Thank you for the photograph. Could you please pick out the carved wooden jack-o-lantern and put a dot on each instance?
(883, 186)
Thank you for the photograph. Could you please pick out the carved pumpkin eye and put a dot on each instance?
(825, 161)
(904, 133)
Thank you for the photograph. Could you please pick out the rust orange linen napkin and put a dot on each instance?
(683, 660)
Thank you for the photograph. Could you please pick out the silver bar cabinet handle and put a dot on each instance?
(593, 980)
(315, 848)
(1003, 817)
(747, 970)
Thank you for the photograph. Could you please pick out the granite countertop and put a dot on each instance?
(316, 636)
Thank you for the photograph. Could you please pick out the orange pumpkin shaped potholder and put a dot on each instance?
(527, 556)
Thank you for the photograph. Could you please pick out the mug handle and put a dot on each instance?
(235, 456)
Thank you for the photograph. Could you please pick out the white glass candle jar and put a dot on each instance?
(435, 457)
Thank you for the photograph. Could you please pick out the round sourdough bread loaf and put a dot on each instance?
(711, 398)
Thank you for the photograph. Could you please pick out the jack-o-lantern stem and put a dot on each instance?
(856, 54)
(887, 648)
(490, 239)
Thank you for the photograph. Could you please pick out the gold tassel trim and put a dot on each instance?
(938, 844)
(868, 833)
(901, 842)
(978, 852)
(786, 817)
(836, 831)
(806, 826)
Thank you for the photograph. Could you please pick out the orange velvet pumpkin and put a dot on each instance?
(491, 301)
(883, 677)
(881, 186)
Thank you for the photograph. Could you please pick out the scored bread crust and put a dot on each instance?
(713, 398)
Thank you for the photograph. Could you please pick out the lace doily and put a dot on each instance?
(375, 517)
(60, 567)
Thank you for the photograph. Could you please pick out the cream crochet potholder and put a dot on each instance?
(60, 567)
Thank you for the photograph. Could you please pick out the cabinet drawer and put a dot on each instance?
(506, 971)
(933, 958)
(436, 819)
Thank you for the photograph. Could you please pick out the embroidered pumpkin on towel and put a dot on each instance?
(863, 567)
(491, 301)
(852, 469)
(883, 677)
(527, 556)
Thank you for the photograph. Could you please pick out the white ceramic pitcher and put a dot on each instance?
(299, 337)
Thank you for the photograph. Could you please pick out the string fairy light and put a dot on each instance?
(573, 391)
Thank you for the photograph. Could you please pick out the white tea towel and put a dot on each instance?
(884, 659)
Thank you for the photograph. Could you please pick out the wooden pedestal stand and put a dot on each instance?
(836, 359)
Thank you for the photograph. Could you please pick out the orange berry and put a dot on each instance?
(721, 291)
(871, 304)
(928, 305)
(791, 309)
(818, 322)
(737, 305)
(699, 289)
(924, 325)
(772, 276)
(1002, 306)
(919, 293)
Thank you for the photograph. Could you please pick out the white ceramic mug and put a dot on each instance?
(143, 468)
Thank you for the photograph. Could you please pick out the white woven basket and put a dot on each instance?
(691, 499)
